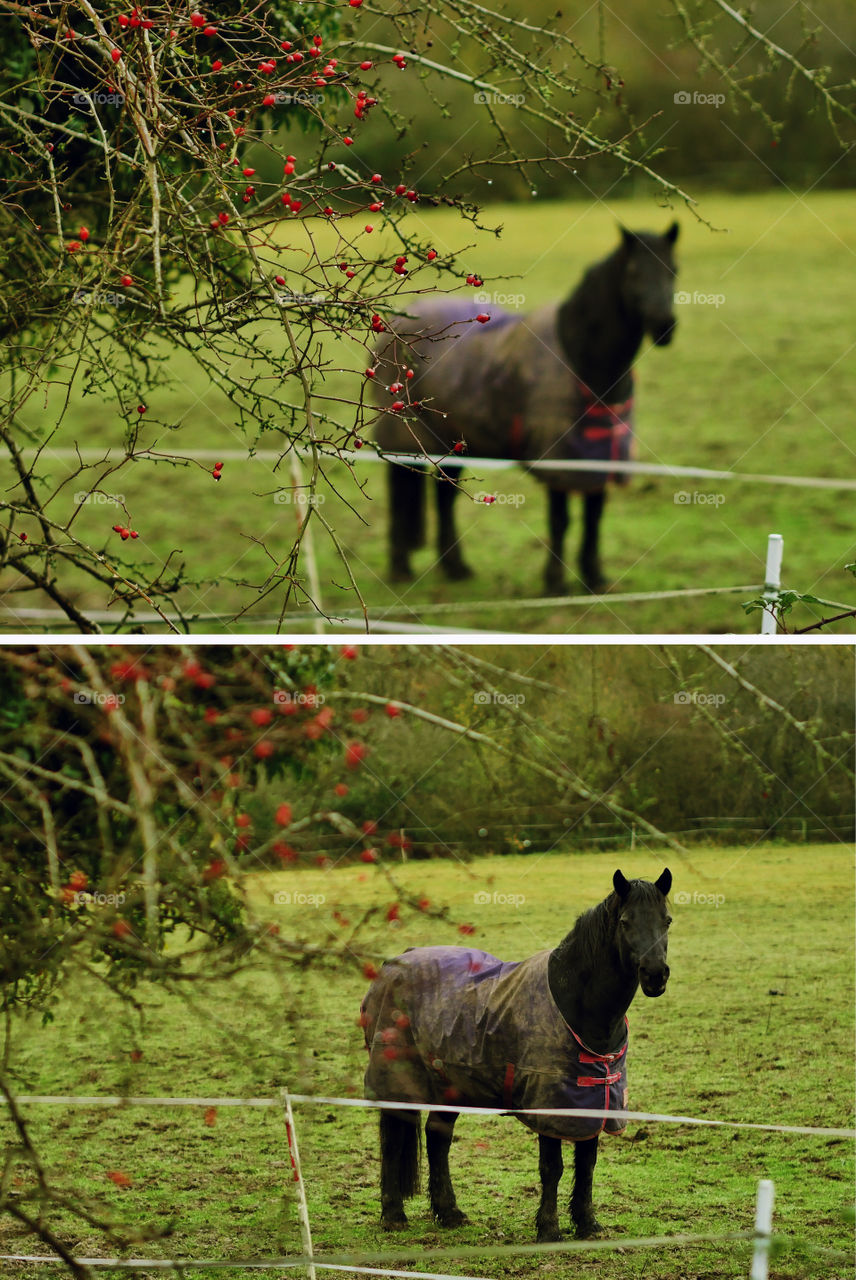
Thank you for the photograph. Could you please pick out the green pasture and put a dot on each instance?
(756, 1026)
(758, 380)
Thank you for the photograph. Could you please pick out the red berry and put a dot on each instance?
(431, 255)
(243, 820)
(370, 373)
(268, 101)
(350, 651)
(368, 855)
(261, 715)
(121, 929)
(279, 279)
(349, 142)
(197, 20)
(392, 710)
(483, 317)
(263, 750)
(127, 280)
(341, 789)
(210, 31)
(369, 227)
(84, 233)
(217, 65)
(365, 66)
(115, 54)
(248, 173)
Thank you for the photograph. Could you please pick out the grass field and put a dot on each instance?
(759, 382)
(719, 1044)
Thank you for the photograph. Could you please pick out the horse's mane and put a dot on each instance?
(593, 929)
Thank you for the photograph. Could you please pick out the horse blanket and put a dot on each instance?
(454, 1024)
(505, 387)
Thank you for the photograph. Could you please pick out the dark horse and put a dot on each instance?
(455, 1026)
(555, 384)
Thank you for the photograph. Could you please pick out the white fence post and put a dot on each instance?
(772, 581)
(763, 1229)
(302, 1207)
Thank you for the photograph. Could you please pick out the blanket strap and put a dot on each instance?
(508, 1084)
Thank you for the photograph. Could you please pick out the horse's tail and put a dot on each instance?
(407, 503)
(401, 1130)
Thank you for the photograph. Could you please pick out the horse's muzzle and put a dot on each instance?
(662, 334)
(653, 981)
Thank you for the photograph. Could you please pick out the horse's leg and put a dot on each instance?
(582, 1211)
(399, 1166)
(550, 1167)
(554, 573)
(589, 556)
(406, 518)
(438, 1139)
(451, 560)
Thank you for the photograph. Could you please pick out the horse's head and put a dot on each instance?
(648, 280)
(643, 928)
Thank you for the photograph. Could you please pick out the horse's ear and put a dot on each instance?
(620, 885)
(672, 234)
(664, 884)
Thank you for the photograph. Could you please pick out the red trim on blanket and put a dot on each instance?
(508, 1085)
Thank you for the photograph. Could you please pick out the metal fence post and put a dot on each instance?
(763, 1229)
(772, 581)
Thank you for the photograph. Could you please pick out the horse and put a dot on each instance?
(457, 1027)
(554, 384)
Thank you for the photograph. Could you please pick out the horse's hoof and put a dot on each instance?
(549, 1235)
(398, 573)
(394, 1222)
(556, 587)
(457, 571)
(451, 1217)
(589, 1229)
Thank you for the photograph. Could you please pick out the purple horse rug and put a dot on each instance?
(505, 387)
(456, 1025)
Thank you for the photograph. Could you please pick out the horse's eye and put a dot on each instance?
(668, 921)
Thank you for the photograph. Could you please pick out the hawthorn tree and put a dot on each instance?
(189, 195)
